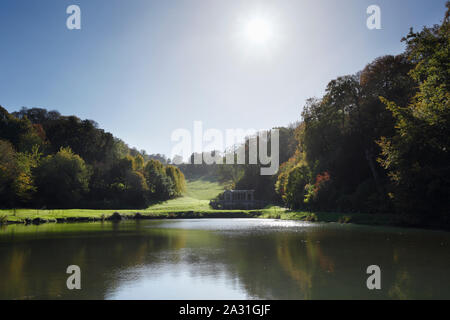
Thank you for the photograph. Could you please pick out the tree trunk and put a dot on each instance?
(369, 158)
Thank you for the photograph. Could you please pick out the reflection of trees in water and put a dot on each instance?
(283, 265)
(35, 268)
(302, 263)
(421, 274)
(279, 264)
(331, 263)
(14, 272)
(274, 265)
(400, 288)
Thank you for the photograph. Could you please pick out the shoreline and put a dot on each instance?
(117, 216)
(387, 220)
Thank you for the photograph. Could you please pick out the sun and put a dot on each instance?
(258, 30)
(259, 33)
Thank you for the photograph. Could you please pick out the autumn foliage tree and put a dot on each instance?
(417, 157)
(378, 140)
(49, 160)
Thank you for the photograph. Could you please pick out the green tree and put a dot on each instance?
(161, 187)
(138, 163)
(8, 172)
(178, 180)
(62, 179)
(16, 178)
(20, 132)
(297, 179)
(417, 157)
(24, 186)
(135, 189)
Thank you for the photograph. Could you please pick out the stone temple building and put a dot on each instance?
(237, 199)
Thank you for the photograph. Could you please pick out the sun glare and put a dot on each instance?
(259, 30)
(259, 33)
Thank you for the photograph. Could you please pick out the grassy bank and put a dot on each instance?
(189, 208)
(195, 204)
(375, 219)
(184, 207)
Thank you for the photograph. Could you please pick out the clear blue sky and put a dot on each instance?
(143, 68)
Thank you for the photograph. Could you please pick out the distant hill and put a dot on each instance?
(203, 188)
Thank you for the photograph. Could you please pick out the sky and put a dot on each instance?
(142, 69)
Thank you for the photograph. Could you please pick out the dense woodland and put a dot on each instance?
(53, 161)
(377, 141)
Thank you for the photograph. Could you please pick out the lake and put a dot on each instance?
(222, 259)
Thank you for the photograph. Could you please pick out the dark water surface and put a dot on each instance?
(222, 259)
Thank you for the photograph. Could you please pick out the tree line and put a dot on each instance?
(54, 161)
(377, 141)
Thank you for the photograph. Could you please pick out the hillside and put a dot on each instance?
(202, 189)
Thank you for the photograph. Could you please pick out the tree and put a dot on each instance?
(20, 132)
(62, 179)
(138, 163)
(298, 178)
(8, 172)
(23, 186)
(417, 157)
(16, 178)
(84, 166)
(177, 177)
(135, 189)
(160, 186)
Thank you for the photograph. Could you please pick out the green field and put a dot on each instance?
(202, 189)
(195, 204)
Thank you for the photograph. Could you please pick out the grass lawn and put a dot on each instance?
(184, 207)
(195, 200)
(195, 204)
(203, 189)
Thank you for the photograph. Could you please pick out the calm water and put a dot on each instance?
(222, 259)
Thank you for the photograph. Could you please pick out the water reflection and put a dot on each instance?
(222, 259)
